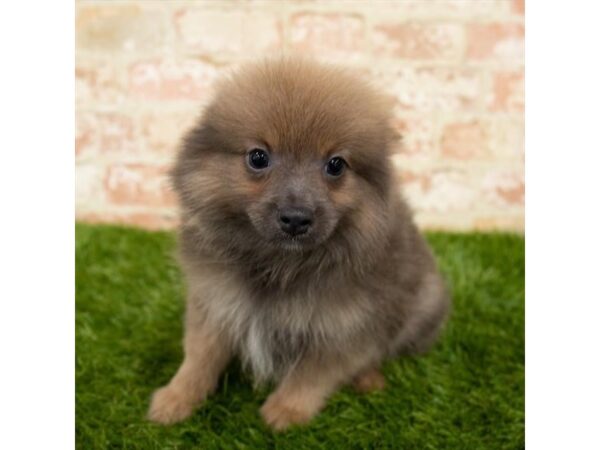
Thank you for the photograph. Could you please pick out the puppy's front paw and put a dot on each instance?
(279, 414)
(169, 406)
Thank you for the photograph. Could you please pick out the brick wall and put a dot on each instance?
(455, 67)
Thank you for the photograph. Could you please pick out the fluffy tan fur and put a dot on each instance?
(309, 312)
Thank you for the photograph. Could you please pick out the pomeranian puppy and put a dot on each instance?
(300, 255)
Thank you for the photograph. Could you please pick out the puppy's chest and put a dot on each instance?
(268, 348)
(278, 335)
(271, 334)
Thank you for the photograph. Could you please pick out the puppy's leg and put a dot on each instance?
(206, 354)
(302, 392)
(300, 395)
(369, 380)
(424, 324)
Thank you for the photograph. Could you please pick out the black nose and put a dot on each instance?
(295, 221)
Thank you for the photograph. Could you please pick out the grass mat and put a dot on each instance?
(467, 393)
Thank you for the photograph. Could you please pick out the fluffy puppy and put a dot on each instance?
(300, 255)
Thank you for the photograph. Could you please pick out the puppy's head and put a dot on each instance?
(288, 154)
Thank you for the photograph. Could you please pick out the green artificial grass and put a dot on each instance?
(467, 393)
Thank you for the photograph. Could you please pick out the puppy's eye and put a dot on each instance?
(335, 166)
(258, 159)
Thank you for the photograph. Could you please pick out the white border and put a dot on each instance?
(37, 225)
(562, 225)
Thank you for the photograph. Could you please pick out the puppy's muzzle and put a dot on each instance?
(295, 221)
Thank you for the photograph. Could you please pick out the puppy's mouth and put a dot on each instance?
(290, 243)
(278, 237)
(296, 243)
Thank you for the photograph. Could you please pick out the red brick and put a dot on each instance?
(98, 132)
(434, 89)
(464, 140)
(419, 135)
(232, 32)
(99, 81)
(443, 9)
(509, 92)
(439, 190)
(118, 28)
(130, 136)
(189, 79)
(518, 6)
(328, 34)
(415, 179)
(138, 184)
(500, 41)
(504, 188)
(418, 41)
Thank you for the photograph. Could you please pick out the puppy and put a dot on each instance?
(300, 255)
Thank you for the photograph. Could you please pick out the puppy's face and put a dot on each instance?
(296, 200)
(288, 154)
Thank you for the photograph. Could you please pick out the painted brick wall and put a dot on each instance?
(455, 67)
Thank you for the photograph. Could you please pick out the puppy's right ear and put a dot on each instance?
(198, 141)
(201, 138)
